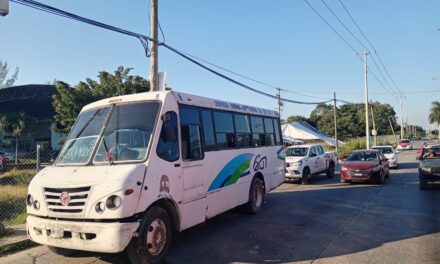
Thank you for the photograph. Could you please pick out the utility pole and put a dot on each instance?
(280, 102)
(374, 126)
(401, 118)
(392, 128)
(367, 124)
(335, 121)
(154, 51)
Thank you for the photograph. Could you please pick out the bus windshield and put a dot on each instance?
(119, 132)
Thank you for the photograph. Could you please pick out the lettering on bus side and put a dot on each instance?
(260, 163)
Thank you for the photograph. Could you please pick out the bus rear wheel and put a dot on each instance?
(154, 239)
(256, 197)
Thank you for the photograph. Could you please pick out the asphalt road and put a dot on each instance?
(327, 222)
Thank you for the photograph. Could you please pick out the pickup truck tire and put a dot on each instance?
(330, 170)
(306, 176)
(154, 239)
(63, 251)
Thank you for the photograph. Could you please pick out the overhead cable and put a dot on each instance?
(59, 12)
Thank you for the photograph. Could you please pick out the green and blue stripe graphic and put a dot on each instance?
(232, 171)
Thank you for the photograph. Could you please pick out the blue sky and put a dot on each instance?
(283, 43)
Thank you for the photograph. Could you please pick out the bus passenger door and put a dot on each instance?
(194, 195)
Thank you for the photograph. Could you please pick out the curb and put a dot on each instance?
(16, 246)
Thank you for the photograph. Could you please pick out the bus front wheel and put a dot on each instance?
(154, 239)
(256, 197)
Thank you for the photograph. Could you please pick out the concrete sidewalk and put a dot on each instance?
(15, 239)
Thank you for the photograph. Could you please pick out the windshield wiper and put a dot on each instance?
(107, 154)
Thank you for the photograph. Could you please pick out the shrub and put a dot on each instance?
(13, 204)
(16, 177)
(350, 146)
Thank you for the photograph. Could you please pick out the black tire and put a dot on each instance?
(330, 170)
(156, 225)
(423, 185)
(256, 197)
(306, 176)
(63, 251)
(381, 179)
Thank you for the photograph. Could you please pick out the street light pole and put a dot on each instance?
(335, 121)
(367, 123)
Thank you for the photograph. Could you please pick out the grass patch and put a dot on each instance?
(13, 204)
(11, 248)
(17, 177)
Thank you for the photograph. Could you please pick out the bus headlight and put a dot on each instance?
(113, 202)
(36, 205)
(100, 207)
(29, 200)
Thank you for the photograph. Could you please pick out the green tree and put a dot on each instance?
(17, 124)
(68, 101)
(4, 80)
(299, 118)
(434, 114)
(322, 117)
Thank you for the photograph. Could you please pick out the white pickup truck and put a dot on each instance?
(304, 161)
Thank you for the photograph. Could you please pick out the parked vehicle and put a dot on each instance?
(429, 166)
(390, 154)
(424, 145)
(304, 161)
(365, 166)
(405, 144)
(7, 155)
(135, 168)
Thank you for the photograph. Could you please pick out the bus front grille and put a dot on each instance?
(66, 200)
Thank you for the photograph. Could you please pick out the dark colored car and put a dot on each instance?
(365, 166)
(429, 166)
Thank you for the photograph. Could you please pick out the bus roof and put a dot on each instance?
(187, 99)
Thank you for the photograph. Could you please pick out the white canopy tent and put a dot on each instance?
(304, 132)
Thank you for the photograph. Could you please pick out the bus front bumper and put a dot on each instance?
(87, 236)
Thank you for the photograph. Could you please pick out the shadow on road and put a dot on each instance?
(303, 224)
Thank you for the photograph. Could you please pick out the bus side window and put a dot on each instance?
(268, 125)
(190, 133)
(277, 132)
(168, 147)
(224, 128)
(208, 130)
(258, 135)
(243, 130)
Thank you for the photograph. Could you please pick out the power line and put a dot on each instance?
(332, 28)
(368, 41)
(358, 41)
(346, 43)
(59, 12)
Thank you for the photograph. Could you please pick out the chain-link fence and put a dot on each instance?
(16, 172)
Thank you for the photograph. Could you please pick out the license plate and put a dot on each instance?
(57, 233)
(358, 174)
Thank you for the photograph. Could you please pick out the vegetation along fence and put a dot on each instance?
(16, 172)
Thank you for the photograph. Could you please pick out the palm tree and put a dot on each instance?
(434, 114)
(18, 126)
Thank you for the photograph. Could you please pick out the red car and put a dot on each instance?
(365, 166)
(405, 144)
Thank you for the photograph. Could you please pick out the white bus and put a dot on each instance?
(135, 168)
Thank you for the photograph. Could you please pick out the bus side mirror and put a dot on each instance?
(169, 126)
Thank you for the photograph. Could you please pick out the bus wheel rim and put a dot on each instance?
(156, 237)
(258, 195)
